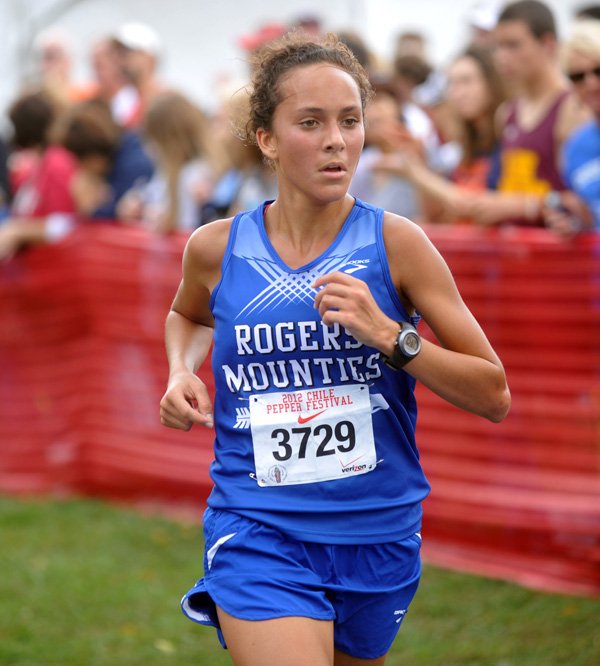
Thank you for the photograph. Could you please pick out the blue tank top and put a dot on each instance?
(315, 435)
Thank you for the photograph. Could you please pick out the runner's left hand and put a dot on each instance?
(347, 301)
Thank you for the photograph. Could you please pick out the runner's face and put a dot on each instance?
(317, 132)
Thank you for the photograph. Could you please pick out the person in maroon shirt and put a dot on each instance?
(535, 122)
(540, 114)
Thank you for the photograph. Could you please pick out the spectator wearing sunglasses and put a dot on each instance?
(581, 152)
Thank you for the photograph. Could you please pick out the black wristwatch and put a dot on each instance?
(408, 345)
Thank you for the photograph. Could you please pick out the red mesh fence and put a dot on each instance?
(82, 371)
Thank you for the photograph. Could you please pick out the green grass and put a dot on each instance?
(84, 583)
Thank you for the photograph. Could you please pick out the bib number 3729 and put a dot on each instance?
(313, 435)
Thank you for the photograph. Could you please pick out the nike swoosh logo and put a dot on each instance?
(306, 419)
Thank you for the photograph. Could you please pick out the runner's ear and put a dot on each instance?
(267, 143)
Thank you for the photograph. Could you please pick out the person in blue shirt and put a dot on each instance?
(581, 152)
(312, 532)
(131, 167)
(111, 159)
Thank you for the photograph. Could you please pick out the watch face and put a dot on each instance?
(411, 344)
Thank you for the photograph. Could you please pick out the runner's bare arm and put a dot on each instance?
(189, 329)
(465, 369)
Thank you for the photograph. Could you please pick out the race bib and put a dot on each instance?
(313, 435)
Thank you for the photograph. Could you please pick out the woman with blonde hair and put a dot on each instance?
(175, 131)
(580, 155)
(248, 179)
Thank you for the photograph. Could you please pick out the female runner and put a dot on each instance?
(313, 526)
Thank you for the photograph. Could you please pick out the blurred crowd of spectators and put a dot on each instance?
(508, 133)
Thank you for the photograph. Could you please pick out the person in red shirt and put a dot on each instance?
(43, 205)
(47, 189)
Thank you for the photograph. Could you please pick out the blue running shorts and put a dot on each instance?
(254, 572)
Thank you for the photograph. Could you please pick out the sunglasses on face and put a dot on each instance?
(578, 77)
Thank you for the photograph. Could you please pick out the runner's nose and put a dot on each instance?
(334, 139)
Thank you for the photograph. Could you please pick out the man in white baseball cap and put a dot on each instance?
(482, 19)
(139, 37)
(141, 49)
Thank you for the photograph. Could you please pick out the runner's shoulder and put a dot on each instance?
(206, 246)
